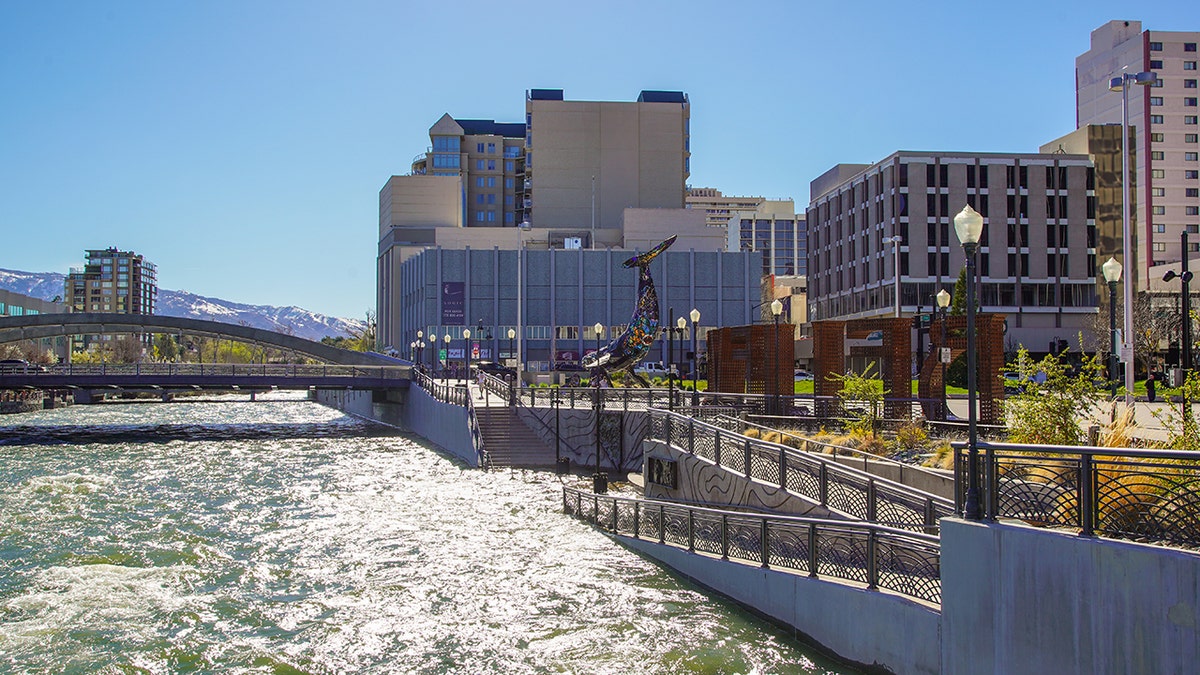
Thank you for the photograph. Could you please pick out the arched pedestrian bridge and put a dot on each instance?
(38, 326)
(343, 369)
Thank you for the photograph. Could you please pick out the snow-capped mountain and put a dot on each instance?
(294, 320)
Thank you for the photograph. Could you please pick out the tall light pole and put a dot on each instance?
(943, 303)
(1121, 84)
(695, 371)
(1112, 274)
(968, 225)
(523, 227)
(593, 213)
(512, 333)
(667, 361)
(776, 310)
(1185, 278)
(895, 242)
(420, 343)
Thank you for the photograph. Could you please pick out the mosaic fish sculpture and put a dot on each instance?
(630, 347)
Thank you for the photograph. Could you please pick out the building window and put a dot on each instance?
(1189, 119)
(479, 198)
(1157, 173)
(445, 161)
(491, 165)
(1156, 138)
(1189, 156)
(1190, 138)
(479, 181)
(491, 199)
(1156, 119)
(491, 181)
(491, 148)
(491, 216)
(1189, 84)
(1192, 192)
(1156, 154)
(1189, 46)
(1158, 192)
(1192, 210)
(1191, 174)
(1155, 100)
(1160, 228)
(1190, 102)
(508, 218)
(1156, 46)
(509, 166)
(509, 183)
(1160, 210)
(1155, 64)
(479, 164)
(1160, 246)
(479, 216)
(1189, 65)
(446, 143)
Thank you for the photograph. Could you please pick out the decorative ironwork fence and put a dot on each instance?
(1141, 495)
(852, 492)
(877, 556)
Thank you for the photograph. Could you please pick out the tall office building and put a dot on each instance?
(120, 282)
(488, 156)
(1165, 118)
(774, 228)
(111, 281)
(588, 161)
(1037, 256)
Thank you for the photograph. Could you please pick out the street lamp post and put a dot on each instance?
(1112, 274)
(599, 328)
(1121, 84)
(512, 333)
(523, 227)
(695, 371)
(776, 310)
(943, 302)
(680, 326)
(968, 225)
(466, 354)
(446, 362)
(1185, 337)
(895, 242)
(420, 344)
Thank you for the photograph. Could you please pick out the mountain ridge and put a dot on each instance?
(289, 319)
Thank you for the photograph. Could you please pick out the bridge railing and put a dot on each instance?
(880, 557)
(1125, 493)
(446, 391)
(225, 369)
(854, 493)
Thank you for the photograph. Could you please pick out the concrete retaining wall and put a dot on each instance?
(870, 628)
(577, 427)
(412, 410)
(1018, 599)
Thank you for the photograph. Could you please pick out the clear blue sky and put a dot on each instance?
(241, 145)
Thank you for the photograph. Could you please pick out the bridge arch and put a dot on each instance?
(38, 326)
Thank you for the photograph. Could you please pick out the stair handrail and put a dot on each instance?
(481, 453)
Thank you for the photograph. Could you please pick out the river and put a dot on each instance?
(280, 536)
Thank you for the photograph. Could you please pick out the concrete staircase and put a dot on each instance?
(510, 442)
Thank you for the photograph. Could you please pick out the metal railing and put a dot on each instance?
(498, 387)
(845, 490)
(1125, 493)
(832, 449)
(877, 556)
(446, 391)
(481, 454)
(219, 369)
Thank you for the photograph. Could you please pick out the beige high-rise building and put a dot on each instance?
(588, 161)
(1164, 115)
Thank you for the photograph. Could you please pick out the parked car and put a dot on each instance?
(651, 369)
(496, 370)
(802, 375)
(20, 366)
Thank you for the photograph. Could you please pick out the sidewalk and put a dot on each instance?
(1148, 425)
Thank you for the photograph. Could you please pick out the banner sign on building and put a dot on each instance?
(454, 299)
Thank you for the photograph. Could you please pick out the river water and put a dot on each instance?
(284, 537)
